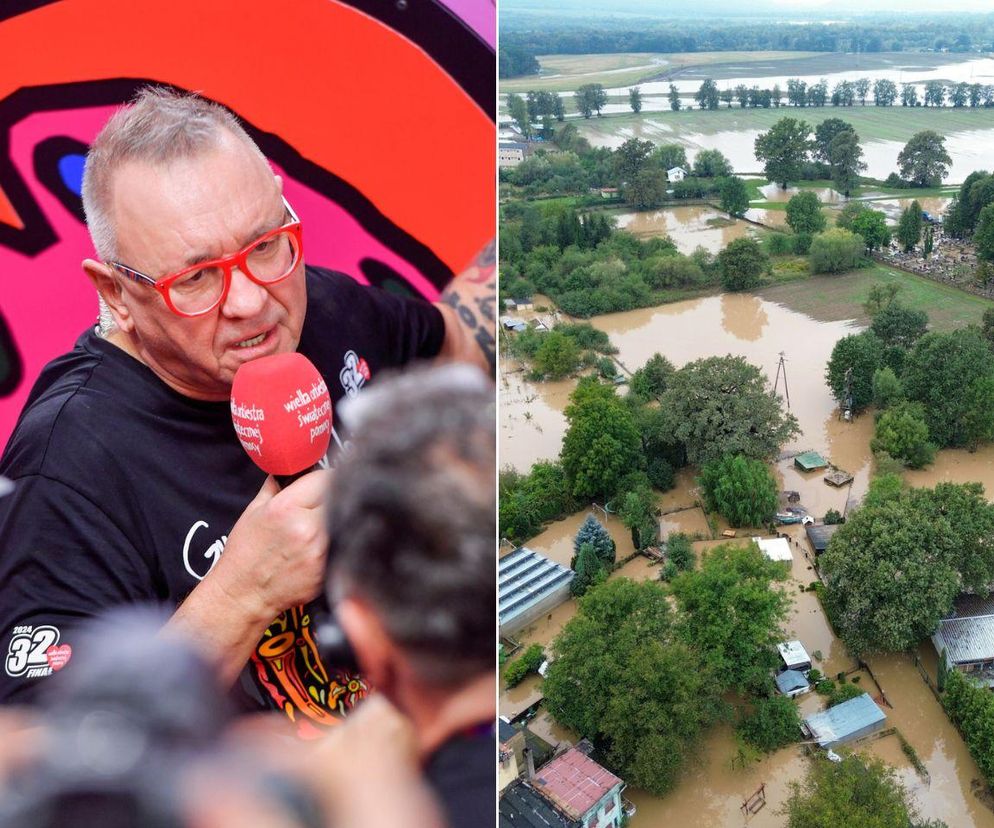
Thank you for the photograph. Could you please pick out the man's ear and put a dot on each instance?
(111, 291)
(374, 650)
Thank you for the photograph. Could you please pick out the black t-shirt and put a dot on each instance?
(125, 491)
(461, 772)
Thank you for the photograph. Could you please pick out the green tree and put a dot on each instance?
(721, 405)
(741, 264)
(924, 160)
(897, 325)
(909, 228)
(638, 513)
(711, 163)
(620, 676)
(680, 551)
(647, 189)
(558, 356)
(635, 99)
(650, 381)
(528, 501)
(804, 213)
(734, 196)
(902, 433)
(589, 568)
(668, 156)
(674, 98)
(741, 489)
(593, 533)
(518, 110)
(836, 251)
(872, 226)
(707, 96)
(983, 236)
(859, 790)
(971, 708)
(887, 388)
(825, 133)
(631, 158)
(602, 443)
(783, 150)
(948, 374)
(772, 723)
(860, 353)
(889, 576)
(732, 613)
(528, 662)
(929, 244)
(846, 160)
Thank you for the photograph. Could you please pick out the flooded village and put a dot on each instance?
(787, 328)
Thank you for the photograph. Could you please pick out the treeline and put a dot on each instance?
(603, 36)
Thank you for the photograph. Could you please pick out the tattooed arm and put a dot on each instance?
(468, 305)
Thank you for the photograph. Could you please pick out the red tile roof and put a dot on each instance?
(574, 782)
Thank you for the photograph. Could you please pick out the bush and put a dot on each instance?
(605, 367)
(741, 264)
(679, 551)
(741, 489)
(887, 388)
(778, 244)
(802, 243)
(773, 723)
(668, 571)
(836, 251)
(902, 433)
(833, 516)
(660, 473)
(843, 693)
(529, 662)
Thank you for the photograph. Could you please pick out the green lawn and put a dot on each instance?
(841, 297)
(872, 123)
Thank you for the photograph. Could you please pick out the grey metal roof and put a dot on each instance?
(505, 731)
(821, 535)
(523, 807)
(525, 578)
(966, 639)
(966, 606)
(790, 680)
(844, 720)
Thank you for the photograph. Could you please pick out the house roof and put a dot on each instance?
(524, 579)
(574, 782)
(793, 652)
(844, 720)
(821, 535)
(776, 549)
(512, 145)
(790, 680)
(523, 807)
(810, 460)
(676, 169)
(505, 731)
(966, 639)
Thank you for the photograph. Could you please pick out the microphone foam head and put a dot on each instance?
(281, 410)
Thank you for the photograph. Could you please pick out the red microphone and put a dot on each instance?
(281, 410)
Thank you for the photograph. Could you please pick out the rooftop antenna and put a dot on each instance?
(782, 368)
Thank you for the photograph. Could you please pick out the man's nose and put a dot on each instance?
(245, 298)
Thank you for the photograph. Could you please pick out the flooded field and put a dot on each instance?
(893, 207)
(689, 227)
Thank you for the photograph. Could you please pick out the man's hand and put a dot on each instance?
(468, 305)
(274, 559)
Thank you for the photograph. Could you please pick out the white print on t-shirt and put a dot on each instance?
(34, 652)
(354, 374)
(212, 553)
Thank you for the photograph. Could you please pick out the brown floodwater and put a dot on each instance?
(771, 218)
(958, 466)
(688, 227)
(774, 192)
(893, 207)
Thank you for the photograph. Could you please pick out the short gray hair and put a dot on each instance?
(158, 126)
(411, 517)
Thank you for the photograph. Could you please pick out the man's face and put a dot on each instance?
(206, 206)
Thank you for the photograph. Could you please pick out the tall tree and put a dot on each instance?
(734, 197)
(518, 110)
(674, 98)
(909, 228)
(635, 99)
(593, 533)
(804, 213)
(589, 570)
(825, 132)
(620, 676)
(631, 157)
(845, 156)
(872, 226)
(732, 612)
(740, 489)
(909, 94)
(783, 150)
(726, 96)
(711, 163)
(707, 95)
(721, 405)
(924, 160)
(884, 92)
(851, 366)
(862, 89)
(741, 264)
(935, 93)
(983, 236)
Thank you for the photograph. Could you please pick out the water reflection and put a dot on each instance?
(744, 320)
(689, 227)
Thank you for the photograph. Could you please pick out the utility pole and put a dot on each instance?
(847, 396)
(782, 368)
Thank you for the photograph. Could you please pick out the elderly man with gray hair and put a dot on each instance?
(130, 483)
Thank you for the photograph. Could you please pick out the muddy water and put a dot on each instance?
(532, 423)
(958, 466)
(556, 542)
(688, 227)
(771, 218)
(893, 207)
(774, 192)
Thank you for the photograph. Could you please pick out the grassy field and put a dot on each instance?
(833, 298)
(872, 123)
(563, 73)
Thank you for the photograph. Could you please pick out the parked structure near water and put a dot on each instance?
(810, 461)
(819, 536)
(967, 637)
(529, 586)
(846, 722)
(776, 549)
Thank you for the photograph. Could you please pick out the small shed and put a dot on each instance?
(676, 174)
(819, 536)
(846, 722)
(794, 656)
(792, 683)
(838, 478)
(776, 549)
(810, 461)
